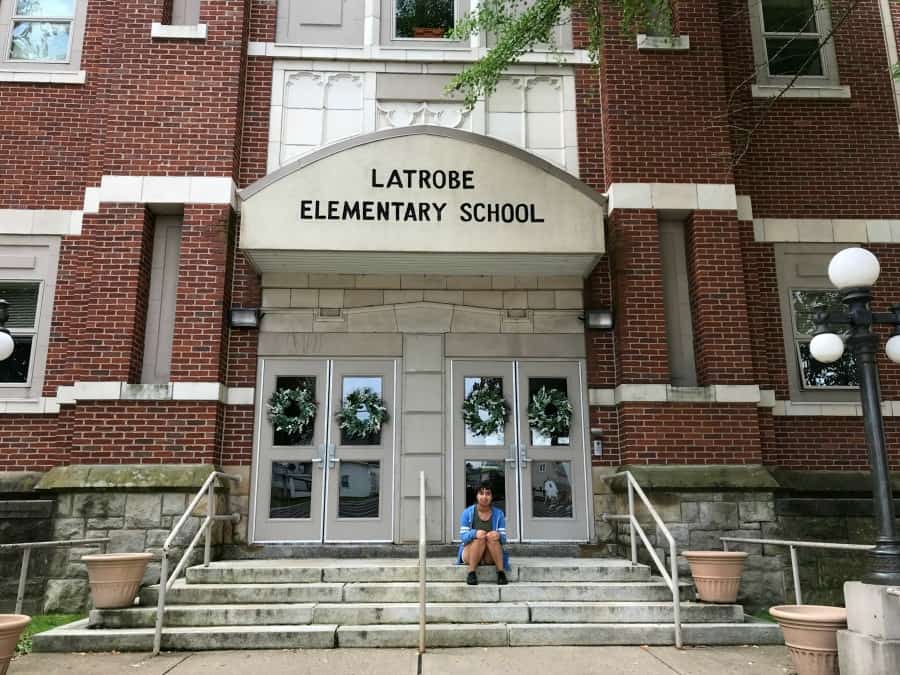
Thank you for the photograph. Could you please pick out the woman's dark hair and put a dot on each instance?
(485, 485)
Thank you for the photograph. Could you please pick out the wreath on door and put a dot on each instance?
(484, 410)
(363, 414)
(549, 412)
(292, 409)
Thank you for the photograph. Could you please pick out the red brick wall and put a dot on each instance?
(30, 443)
(828, 443)
(237, 447)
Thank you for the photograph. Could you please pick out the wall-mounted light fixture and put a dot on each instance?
(598, 319)
(244, 317)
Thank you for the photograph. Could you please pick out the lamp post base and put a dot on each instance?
(884, 564)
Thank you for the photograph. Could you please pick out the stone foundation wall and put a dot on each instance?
(23, 521)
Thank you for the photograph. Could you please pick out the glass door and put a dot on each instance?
(483, 438)
(324, 467)
(552, 453)
(290, 484)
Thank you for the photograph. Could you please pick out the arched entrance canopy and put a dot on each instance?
(422, 200)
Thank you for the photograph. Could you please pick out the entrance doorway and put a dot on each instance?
(321, 483)
(538, 479)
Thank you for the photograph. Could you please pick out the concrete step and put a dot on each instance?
(237, 594)
(408, 612)
(595, 634)
(390, 570)
(436, 635)
(648, 591)
(383, 551)
(77, 637)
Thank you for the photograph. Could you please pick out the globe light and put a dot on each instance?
(893, 348)
(826, 347)
(6, 345)
(854, 268)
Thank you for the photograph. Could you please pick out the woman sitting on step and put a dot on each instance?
(482, 528)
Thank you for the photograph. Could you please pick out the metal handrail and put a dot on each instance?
(794, 545)
(671, 577)
(26, 558)
(166, 581)
(422, 571)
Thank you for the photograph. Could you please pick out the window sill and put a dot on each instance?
(167, 32)
(822, 93)
(656, 43)
(44, 76)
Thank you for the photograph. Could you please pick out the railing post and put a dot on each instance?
(422, 568)
(208, 525)
(676, 595)
(631, 521)
(160, 602)
(795, 568)
(23, 577)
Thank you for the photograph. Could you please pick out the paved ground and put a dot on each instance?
(494, 661)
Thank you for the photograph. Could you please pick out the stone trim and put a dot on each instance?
(169, 32)
(744, 207)
(172, 391)
(19, 481)
(698, 477)
(44, 77)
(657, 43)
(161, 190)
(377, 53)
(841, 92)
(890, 42)
(40, 221)
(673, 196)
(826, 409)
(666, 393)
(117, 476)
(799, 480)
(29, 406)
(827, 230)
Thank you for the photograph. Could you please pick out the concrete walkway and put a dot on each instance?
(745, 660)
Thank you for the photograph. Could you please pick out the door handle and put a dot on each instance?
(523, 456)
(332, 460)
(320, 460)
(511, 460)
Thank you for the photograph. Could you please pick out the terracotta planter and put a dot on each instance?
(810, 632)
(115, 577)
(11, 626)
(428, 32)
(717, 574)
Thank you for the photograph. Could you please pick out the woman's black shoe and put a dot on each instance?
(501, 578)
(472, 579)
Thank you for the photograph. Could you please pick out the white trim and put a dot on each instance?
(744, 207)
(890, 42)
(166, 190)
(846, 409)
(827, 230)
(377, 53)
(666, 393)
(40, 222)
(662, 43)
(673, 196)
(169, 32)
(839, 92)
(29, 406)
(44, 76)
(171, 391)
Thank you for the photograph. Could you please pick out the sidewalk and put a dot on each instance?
(745, 660)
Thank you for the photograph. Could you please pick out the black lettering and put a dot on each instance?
(320, 214)
(410, 213)
(439, 210)
(534, 218)
(454, 180)
(305, 209)
(424, 212)
(468, 180)
(375, 183)
(439, 178)
(394, 179)
(493, 212)
(384, 210)
(332, 209)
(409, 173)
(522, 213)
(368, 207)
(351, 210)
(475, 210)
(465, 212)
(398, 207)
(424, 179)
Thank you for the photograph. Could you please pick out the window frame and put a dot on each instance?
(829, 76)
(389, 37)
(45, 253)
(76, 41)
(814, 259)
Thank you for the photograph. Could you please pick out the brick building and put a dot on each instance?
(168, 162)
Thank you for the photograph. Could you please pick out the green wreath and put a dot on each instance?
(363, 414)
(298, 400)
(550, 412)
(485, 411)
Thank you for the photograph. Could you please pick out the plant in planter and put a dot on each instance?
(810, 632)
(115, 577)
(11, 626)
(717, 574)
(424, 18)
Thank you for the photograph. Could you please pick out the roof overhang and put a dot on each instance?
(422, 199)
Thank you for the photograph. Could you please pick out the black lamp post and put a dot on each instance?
(854, 271)
(7, 345)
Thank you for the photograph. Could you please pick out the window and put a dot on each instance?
(423, 19)
(27, 283)
(789, 42)
(42, 34)
(160, 326)
(803, 286)
(677, 304)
